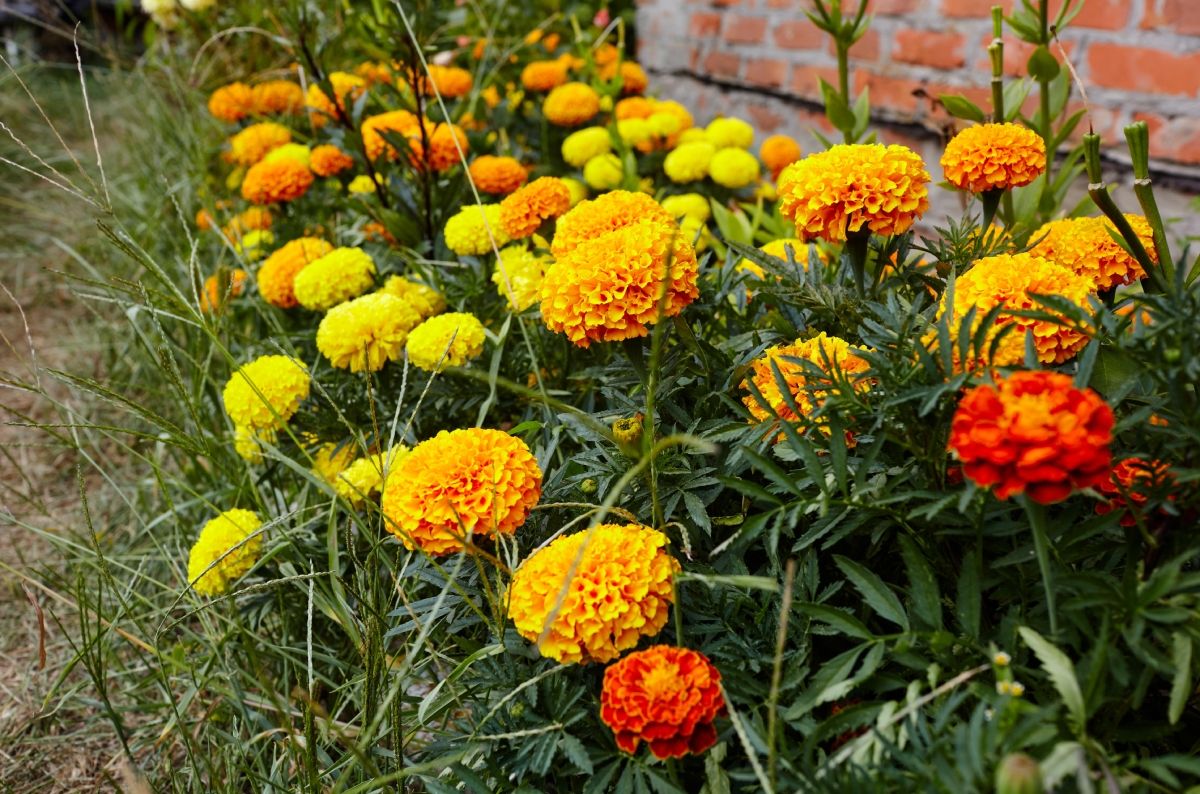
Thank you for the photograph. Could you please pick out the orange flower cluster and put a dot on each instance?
(608, 212)
(232, 103)
(633, 77)
(778, 152)
(497, 175)
(665, 696)
(213, 298)
(589, 596)
(346, 87)
(475, 481)
(445, 140)
(854, 186)
(994, 157)
(571, 104)
(525, 210)
(542, 76)
(277, 97)
(451, 82)
(328, 160)
(1086, 246)
(272, 182)
(1127, 486)
(256, 141)
(1033, 433)
(277, 274)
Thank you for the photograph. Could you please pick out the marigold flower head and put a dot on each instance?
(633, 76)
(733, 168)
(994, 157)
(264, 394)
(250, 219)
(1129, 486)
(334, 278)
(497, 175)
(446, 340)
(425, 300)
(252, 245)
(1047, 236)
(728, 131)
(1033, 433)
(778, 152)
(604, 172)
(367, 332)
(232, 103)
(518, 276)
(346, 88)
(445, 143)
(362, 185)
(542, 76)
(328, 160)
(474, 229)
(689, 162)
(634, 107)
(476, 482)
(665, 696)
(331, 459)
(365, 477)
(277, 274)
(582, 145)
(227, 548)
(606, 588)
(451, 82)
(1087, 247)
(297, 152)
(688, 205)
(523, 212)
(854, 186)
(578, 190)
(278, 97)
(215, 295)
(571, 104)
(375, 73)
(400, 122)
(589, 219)
(276, 182)
(252, 143)
(610, 288)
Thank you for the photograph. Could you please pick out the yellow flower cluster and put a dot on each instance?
(571, 104)
(582, 145)
(263, 394)
(365, 477)
(254, 142)
(518, 276)
(689, 162)
(604, 172)
(994, 157)
(425, 300)
(331, 459)
(688, 205)
(733, 168)
(277, 274)
(366, 332)
(475, 229)
(729, 132)
(227, 548)
(336, 277)
(447, 340)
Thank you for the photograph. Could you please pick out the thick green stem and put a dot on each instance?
(857, 248)
(1041, 547)
(1098, 191)
(1137, 135)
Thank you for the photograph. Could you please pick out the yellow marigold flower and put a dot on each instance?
(518, 276)
(689, 162)
(778, 152)
(779, 249)
(1088, 248)
(451, 82)
(252, 144)
(264, 394)
(214, 296)
(688, 205)
(727, 132)
(474, 230)
(590, 219)
(331, 459)
(571, 104)
(278, 272)
(633, 76)
(589, 596)
(523, 212)
(364, 478)
(290, 151)
(252, 244)
(336, 277)
(367, 332)
(491, 96)
(232, 103)
(400, 122)
(628, 429)
(362, 185)
(733, 168)
(346, 87)
(807, 393)
(994, 157)
(227, 548)
(497, 175)
(271, 183)
(609, 288)
(1047, 237)
(473, 482)
(246, 444)
(542, 76)
(446, 340)
(577, 190)
(583, 145)
(634, 132)
(603, 172)
(852, 186)
(426, 301)
(278, 97)
(695, 232)
(693, 135)
(328, 160)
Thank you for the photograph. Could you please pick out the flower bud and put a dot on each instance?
(1018, 774)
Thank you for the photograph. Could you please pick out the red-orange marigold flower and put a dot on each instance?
(1033, 433)
(665, 696)
(497, 175)
(271, 182)
(329, 160)
(778, 152)
(1128, 485)
(524, 211)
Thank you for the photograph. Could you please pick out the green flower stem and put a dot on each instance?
(1041, 547)
(1098, 191)
(991, 201)
(857, 248)
(1137, 135)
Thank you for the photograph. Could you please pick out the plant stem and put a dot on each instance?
(785, 608)
(1041, 547)
(857, 248)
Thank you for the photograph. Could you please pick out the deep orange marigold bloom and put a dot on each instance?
(619, 590)
(1033, 433)
(634, 80)
(1087, 247)
(205, 220)
(278, 97)
(542, 76)
(213, 299)
(634, 107)
(256, 141)
(450, 81)
(606, 54)
(571, 104)
(854, 186)
(1047, 238)
(477, 481)
(524, 211)
(401, 122)
(232, 102)
(445, 140)
(665, 696)
(375, 72)
(1128, 484)
(329, 160)
(497, 175)
(346, 87)
(994, 157)
(277, 275)
(275, 182)
(251, 219)
(609, 288)
(376, 231)
(588, 220)
(778, 152)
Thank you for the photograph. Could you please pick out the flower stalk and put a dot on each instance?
(1137, 136)
(1098, 190)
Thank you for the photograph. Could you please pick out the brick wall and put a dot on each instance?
(1140, 59)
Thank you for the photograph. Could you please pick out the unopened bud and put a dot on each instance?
(1019, 774)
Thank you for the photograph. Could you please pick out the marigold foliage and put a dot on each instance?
(264, 394)
(276, 182)
(446, 340)
(590, 219)
(475, 229)
(367, 332)
(334, 278)
(425, 300)
(994, 157)
(523, 212)
(278, 273)
(497, 175)
(606, 588)
(227, 548)
(252, 143)
(571, 104)
(518, 276)
(779, 249)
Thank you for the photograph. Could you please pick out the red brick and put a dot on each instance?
(745, 30)
(769, 72)
(1178, 140)
(1105, 122)
(1016, 55)
(1144, 69)
(929, 48)
(893, 6)
(704, 24)
(895, 94)
(1154, 121)
(804, 80)
(722, 64)
(1177, 15)
(865, 49)
(764, 120)
(780, 3)
(1098, 14)
(974, 8)
(798, 34)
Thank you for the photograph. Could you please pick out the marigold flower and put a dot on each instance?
(497, 175)
(425, 300)
(665, 696)
(365, 477)
(474, 230)
(588, 596)
(362, 185)
(334, 278)
(264, 394)
(633, 76)
(277, 274)
(727, 132)
(589, 219)
(232, 103)
(400, 122)
(213, 298)
(1033, 433)
(474, 482)
(610, 288)
(1128, 487)
(375, 73)
(689, 162)
(252, 245)
(1087, 247)
(445, 143)
(518, 276)
(688, 205)
(278, 97)
(328, 160)
(852, 186)
(582, 145)
(778, 152)
(331, 459)
(578, 190)
(994, 157)
(252, 143)
(374, 231)
(635, 132)
(296, 152)
(451, 82)
(446, 340)
(571, 104)
(280, 181)
(366, 332)
(634, 107)
(227, 548)
(542, 76)
(733, 168)
(523, 212)
(346, 87)
(1047, 237)
(779, 250)
(248, 220)
(604, 172)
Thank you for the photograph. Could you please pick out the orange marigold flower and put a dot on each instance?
(329, 160)
(232, 102)
(542, 76)
(1129, 485)
(277, 274)
(205, 220)
(610, 288)
(606, 54)
(445, 141)
(450, 81)
(633, 77)
(251, 219)
(497, 175)
(476, 481)
(588, 596)
(665, 696)
(254, 142)
(274, 182)
(278, 97)
(994, 157)
(394, 121)
(1047, 238)
(806, 391)
(588, 220)
(1087, 247)
(213, 298)
(376, 231)
(571, 104)
(524, 211)
(634, 107)
(1033, 433)
(852, 186)
(778, 152)
(346, 87)
(374, 72)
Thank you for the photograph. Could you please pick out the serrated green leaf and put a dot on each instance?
(1181, 684)
(576, 753)
(877, 594)
(922, 585)
(1062, 674)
